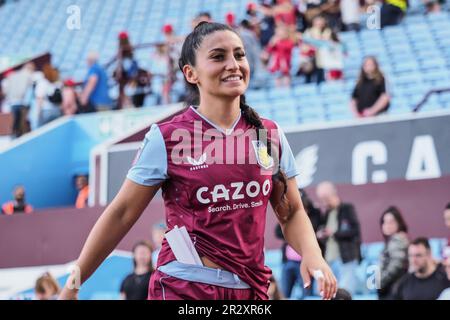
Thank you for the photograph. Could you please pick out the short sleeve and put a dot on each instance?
(287, 160)
(150, 165)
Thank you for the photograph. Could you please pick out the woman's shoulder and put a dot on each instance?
(179, 121)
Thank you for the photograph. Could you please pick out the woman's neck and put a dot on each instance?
(219, 111)
(141, 270)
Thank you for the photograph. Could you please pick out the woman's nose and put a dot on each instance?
(232, 64)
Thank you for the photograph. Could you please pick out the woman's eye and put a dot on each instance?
(240, 55)
(219, 57)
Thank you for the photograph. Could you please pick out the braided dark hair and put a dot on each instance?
(188, 51)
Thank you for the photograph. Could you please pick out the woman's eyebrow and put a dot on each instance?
(223, 50)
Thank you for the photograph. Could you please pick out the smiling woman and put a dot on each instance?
(228, 237)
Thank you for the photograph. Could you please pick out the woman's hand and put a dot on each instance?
(317, 267)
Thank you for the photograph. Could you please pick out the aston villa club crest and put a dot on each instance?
(262, 156)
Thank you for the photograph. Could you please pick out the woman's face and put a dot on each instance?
(221, 68)
(142, 256)
(390, 225)
(369, 66)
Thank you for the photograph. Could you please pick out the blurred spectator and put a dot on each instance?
(333, 60)
(426, 280)
(447, 224)
(329, 9)
(135, 285)
(351, 14)
(340, 234)
(319, 35)
(283, 13)
(17, 89)
(290, 274)
(279, 54)
(266, 25)
(369, 97)
(230, 20)
(158, 231)
(342, 294)
(252, 47)
(70, 99)
(173, 42)
(82, 185)
(392, 12)
(432, 6)
(445, 295)
(161, 69)
(254, 18)
(126, 70)
(94, 96)
(18, 205)
(202, 16)
(46, 287)
(47, 97)
(394, 258)
(274, 291)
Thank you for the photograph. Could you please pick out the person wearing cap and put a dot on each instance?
(69, 105)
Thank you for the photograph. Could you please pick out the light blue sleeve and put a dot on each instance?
(150, 165)
(287, 161)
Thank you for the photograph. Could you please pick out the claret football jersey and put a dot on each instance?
(217, 183)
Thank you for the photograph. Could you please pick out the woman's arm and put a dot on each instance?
(354, 109)
(378, 106)
(110, 228)
(299, 234)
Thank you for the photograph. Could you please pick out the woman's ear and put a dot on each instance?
(190, 74)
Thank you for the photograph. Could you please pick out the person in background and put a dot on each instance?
(279, 54)
(95, 96)
(274, 291)
(47, 93)
(69, 105)
(16, 88)
(312, 39)
(445, 295)
(46, 287)
(202, 16)
(432, 6)
(394, 257)
(392, 12)
(446, 252)
(135, 285)
(158, 231)
(82, 185)
(126, 70)
(369, 97)
(18, 205)
(427, 278)
(341, 237)
(351, 14)
(252, 46)
(290, 274)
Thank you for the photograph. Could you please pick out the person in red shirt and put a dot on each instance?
(219, 165)
(280, 51)
(18, 205)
